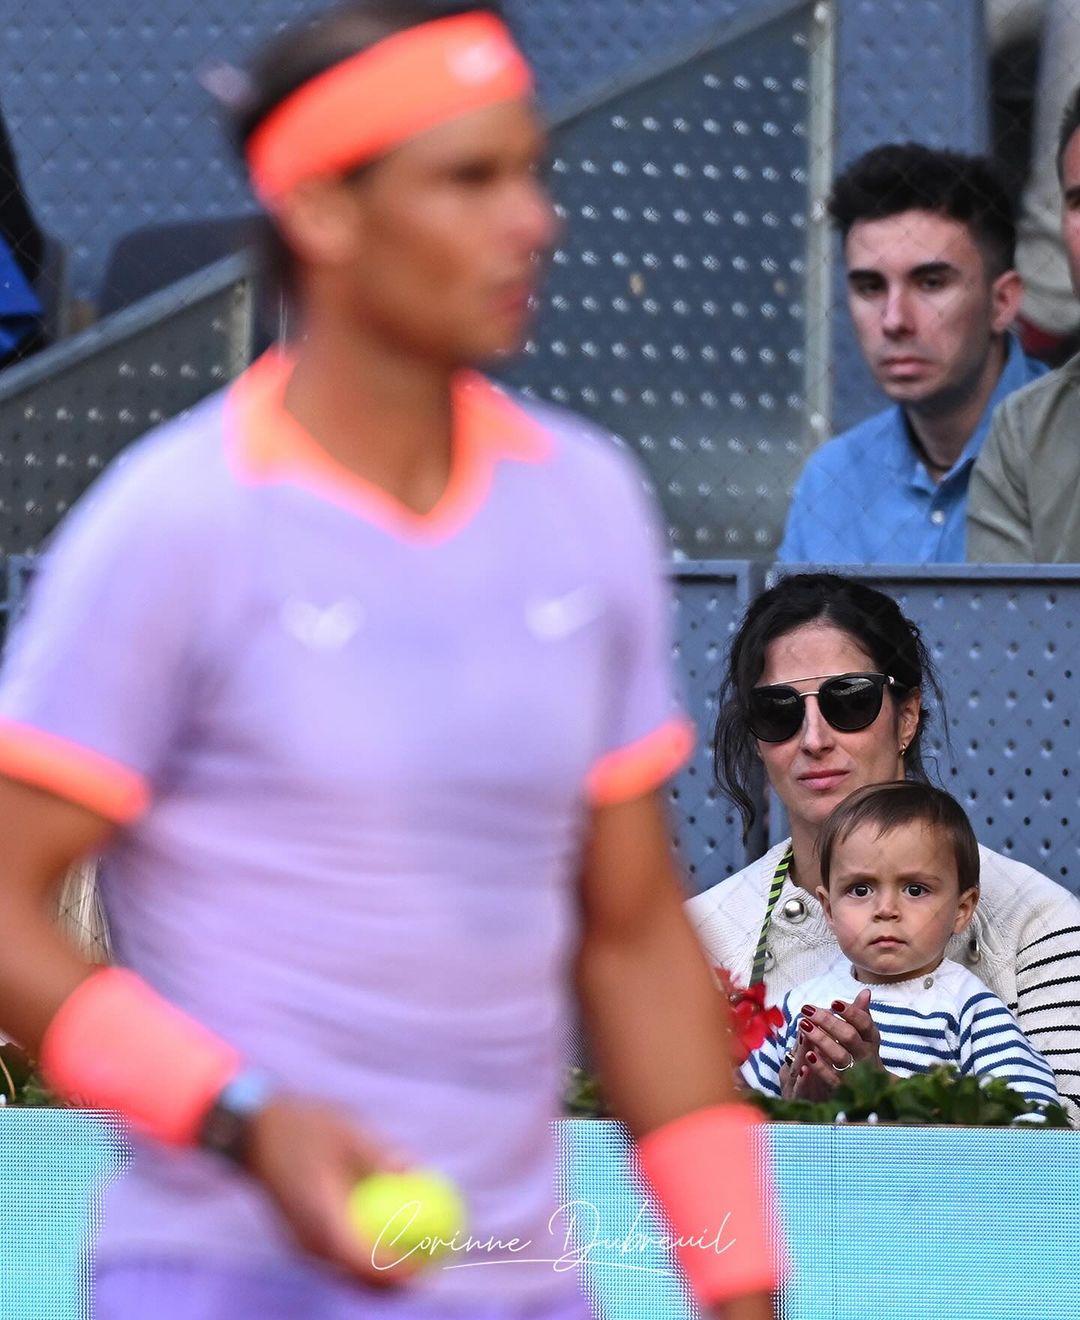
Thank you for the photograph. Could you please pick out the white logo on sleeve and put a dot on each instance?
(560, 616)
(322, 628)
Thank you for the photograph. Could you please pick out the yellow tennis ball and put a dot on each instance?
(411, 1215)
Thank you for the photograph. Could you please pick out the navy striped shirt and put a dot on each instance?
(948, 1016)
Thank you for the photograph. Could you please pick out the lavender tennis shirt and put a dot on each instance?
(352, 753)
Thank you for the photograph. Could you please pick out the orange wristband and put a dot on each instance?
(705, 1171)
(116, 1044)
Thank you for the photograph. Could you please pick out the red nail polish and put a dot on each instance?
(808, 1009)
(806, 1026)
(811, 1056)
(838, 1005)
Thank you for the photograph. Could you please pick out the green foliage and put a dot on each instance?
(583, 1098)
(940, 1097)
(866, 1094)
(18, 1074)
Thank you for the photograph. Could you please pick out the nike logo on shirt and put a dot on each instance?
(326, 628)
(550, 620)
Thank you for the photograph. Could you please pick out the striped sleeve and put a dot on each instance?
(912, 1041)
(992, 1045)
(762, 1069)
(1048, 993)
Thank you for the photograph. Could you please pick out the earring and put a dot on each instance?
(903, 748)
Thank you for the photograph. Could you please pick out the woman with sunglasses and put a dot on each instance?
(360, 674)
(824, 688)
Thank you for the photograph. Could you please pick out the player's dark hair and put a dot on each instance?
(889, 807)
(303, 52)
(907, 176)
(872, 619)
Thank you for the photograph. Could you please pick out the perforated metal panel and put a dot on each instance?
(114, 132)
(1007, 651)
(112, 129)
(675, 310)
(710, 600)
(66, 413)
(1003, 639)
(906, 70)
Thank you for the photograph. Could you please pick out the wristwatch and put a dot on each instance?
(227, 1126)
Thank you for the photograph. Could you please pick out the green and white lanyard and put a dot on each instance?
(783, 867)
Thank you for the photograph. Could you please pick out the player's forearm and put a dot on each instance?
(657, 1022)
(41, 837)
(38, 971)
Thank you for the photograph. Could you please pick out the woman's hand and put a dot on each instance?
(829, 1041)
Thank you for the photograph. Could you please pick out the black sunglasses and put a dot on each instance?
(848, 702)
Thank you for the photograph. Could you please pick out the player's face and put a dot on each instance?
(819, 766)
(450, 232)
(1070, 208)
(925, 311)
(893, 900)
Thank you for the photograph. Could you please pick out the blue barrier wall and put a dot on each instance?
(881, 1224)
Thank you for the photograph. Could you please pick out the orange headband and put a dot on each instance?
(376, 100)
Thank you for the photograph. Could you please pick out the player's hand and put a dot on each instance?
(309, 1156)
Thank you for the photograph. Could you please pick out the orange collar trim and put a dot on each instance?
(267, 445)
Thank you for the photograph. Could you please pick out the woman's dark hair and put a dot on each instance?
(870, 617)
(302, 53)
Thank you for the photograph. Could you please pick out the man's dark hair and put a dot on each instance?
(891, 806)
(1070, 122)
(898, 177)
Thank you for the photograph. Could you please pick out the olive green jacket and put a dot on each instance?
(1024, 496)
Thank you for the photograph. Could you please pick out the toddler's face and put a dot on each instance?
(892, 900)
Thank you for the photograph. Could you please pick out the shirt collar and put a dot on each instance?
(268, 445)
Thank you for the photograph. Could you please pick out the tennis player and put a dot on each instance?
(359, 676)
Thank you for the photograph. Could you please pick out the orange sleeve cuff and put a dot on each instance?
(71, 771)
(628, 772)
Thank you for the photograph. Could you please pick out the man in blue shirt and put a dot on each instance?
(929, 239)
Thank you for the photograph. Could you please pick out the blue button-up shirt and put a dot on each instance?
(20, 310)
(866, 497)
